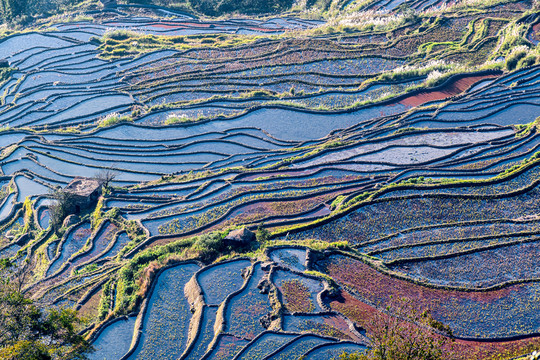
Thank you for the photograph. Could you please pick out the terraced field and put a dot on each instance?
(388, 151)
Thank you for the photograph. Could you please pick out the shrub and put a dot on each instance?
(174, 119)
(5, 73)
(113, 118)
(63, 203)
(96, 215)
(105, 177)
(111, 42)
(121, 35)
(515, 56)
(32, 332)
(178, 39)
(527, 61)
(220, 7)
(262, 234)
(119, 52)
(210, 242)
(104, 303)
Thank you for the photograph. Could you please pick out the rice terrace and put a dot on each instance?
(269, 179)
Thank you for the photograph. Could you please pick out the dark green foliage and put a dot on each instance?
(60, 208)
(27, 350)
(221, 7)
(319, 4)
(119, 52)
(5, 73)
(104, 303)
(117, 35)
(32, 333)
(210, 241)
(209, 245)
(527, 61)
(263, 234)
(23, 12)
(10, 9)
(411, 16)
(512, 60)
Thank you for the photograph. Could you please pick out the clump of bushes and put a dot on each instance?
(175, 119)
(262, 234)
(407, 129)
(527, 61)
(60, 208)
(411, 71)
(515, 56)
(209, 245)
(119, 35)
(259, 93)
(33, 331)
(5, 73)
(113, 119)
(135, 277)
(221, 7)
(105, 302)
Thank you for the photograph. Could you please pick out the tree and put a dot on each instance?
(105, 177)
(263, 235)
(13, 8)
(29, 332)
(63, 203)
(406, 334)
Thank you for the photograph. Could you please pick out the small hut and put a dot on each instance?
(84, 193)
(239, 237)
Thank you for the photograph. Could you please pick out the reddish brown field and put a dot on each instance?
(363, 315)
(455, 88)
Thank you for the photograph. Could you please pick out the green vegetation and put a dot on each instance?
(227, 7)
(135, 277)
(61, 208)
(121, 43)
(97, 218)
(263, 235)
(407, 129)
(220, 7)
(175, 119)
(337, 201)
(113, 119)
(526, 129)
(30, 332)
(21, 10)
(28, 216)
(300, 188)
(21, 13)
(5, 74)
